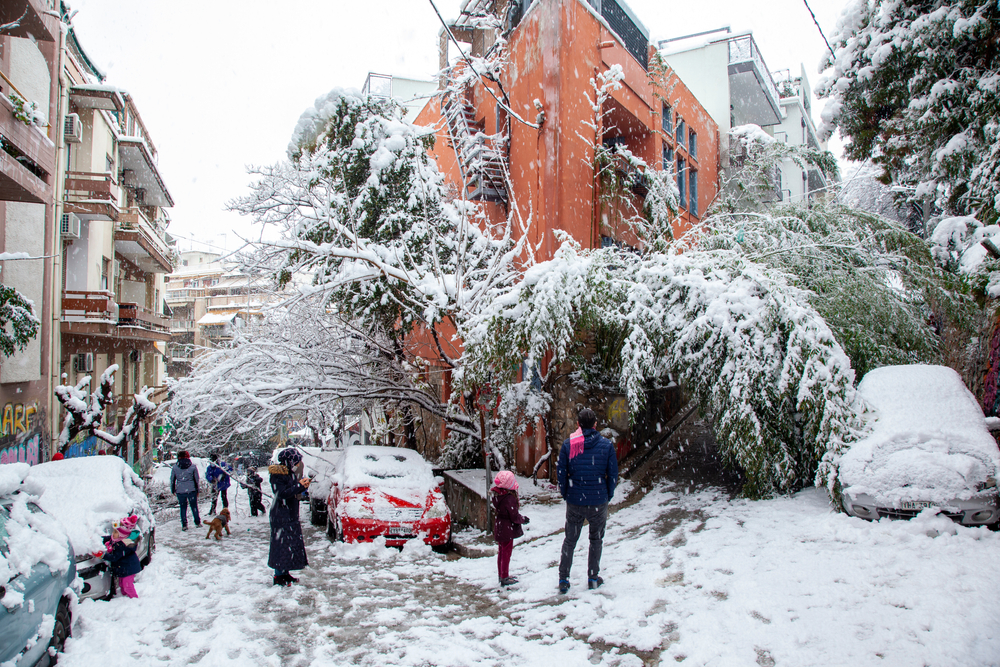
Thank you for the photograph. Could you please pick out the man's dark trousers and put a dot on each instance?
(597, 516)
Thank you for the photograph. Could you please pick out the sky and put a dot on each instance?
(220, 84)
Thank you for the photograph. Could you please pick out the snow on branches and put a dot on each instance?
(18, 323)
(85, 411)
(740, 336)
(915, 86)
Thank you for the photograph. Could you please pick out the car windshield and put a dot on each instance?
(386, 468)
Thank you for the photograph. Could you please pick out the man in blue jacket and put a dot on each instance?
(588, 474)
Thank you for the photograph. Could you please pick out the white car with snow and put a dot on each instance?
(86, 495)
(928, 447)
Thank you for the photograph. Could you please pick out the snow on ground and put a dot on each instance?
(691, 577)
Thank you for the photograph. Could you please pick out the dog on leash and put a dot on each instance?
(218, 523)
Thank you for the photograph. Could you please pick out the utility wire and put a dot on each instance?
(806, 3)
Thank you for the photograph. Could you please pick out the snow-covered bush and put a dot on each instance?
(18, 322)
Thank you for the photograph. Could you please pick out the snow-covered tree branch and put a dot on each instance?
(18, 322)
(85, 411)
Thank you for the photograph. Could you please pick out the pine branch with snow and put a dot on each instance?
(18, 322)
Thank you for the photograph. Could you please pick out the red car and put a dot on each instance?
(390, 492)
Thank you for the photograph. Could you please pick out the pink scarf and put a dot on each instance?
(576, 443)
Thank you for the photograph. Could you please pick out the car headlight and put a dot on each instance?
(990, 483)
(438, 510)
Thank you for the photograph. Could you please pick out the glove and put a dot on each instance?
(97, 554)
(526, 520)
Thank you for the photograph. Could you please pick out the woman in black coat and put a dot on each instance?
(288, 549)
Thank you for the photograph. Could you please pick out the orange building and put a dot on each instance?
(555, 48)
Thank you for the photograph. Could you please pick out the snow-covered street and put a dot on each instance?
(691, 577)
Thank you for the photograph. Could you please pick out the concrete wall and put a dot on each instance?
(24, 231)
(30, 72)
(705, 71)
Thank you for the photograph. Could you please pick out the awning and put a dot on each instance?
(97, 96)
(212, 318)
(141, 172)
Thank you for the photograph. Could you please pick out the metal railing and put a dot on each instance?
(133, 219)
(94, 185)
(82, 306)
(134, 315)
(744, 49)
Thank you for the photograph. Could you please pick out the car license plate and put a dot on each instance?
(916, 504)
(399, 530)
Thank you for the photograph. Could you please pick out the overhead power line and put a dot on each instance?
(806, 3)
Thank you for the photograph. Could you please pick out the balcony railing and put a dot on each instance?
(743, 49)
(134, 315)
(132, 220)
(620, 19)
(92, 185)
(78, 306)
(182, 325)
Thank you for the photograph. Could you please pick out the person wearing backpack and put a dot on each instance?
(217, 475)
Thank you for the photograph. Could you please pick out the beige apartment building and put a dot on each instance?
(82, 197)
(209, 300)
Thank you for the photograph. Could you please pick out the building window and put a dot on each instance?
(681, 182)
(668, 119)
(693, 191)
(668, 157)
(681, 128)
(693, 144)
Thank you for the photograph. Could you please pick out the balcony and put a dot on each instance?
(752, 92)
(94, 194)
(92, 307)
(97, 314)
(634, 36)
(135, 316)
(27, 158)
(137, 240)
(30, 19)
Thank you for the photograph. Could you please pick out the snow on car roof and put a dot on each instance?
(86, 494)
(929, 439)
(386, 467)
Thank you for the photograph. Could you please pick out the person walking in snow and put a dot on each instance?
(184, 485)
(587, 473)
(507, 522)
(119, 552)
(217, 474)
(252, 483)
(287, 549)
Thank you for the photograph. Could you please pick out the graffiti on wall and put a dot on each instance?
(20, 433)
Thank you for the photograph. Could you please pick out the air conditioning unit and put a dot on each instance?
(69, 226)
(84, 363)
(73, 129)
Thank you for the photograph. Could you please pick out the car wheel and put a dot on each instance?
(149, 551)
(62, 629)
(318, 514)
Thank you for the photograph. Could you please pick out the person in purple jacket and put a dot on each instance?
(507, 522)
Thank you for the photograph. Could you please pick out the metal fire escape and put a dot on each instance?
(481, 157)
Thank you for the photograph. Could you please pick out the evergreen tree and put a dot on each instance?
(915, 86)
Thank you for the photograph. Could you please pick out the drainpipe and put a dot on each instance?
(55, 356)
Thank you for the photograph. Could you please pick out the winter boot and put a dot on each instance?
(594, 583)
(564, 586)
(508, 581)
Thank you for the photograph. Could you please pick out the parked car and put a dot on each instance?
(929, 446)
(320, 465)
(390, 492)
(37, 569)
(158, 481)
(86, 495)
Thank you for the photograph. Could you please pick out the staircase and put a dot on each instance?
(480, 156)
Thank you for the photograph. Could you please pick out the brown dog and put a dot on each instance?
(218, 523)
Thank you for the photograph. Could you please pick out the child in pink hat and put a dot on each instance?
(120, 554)
(507, 522)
